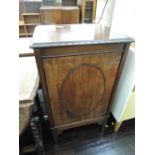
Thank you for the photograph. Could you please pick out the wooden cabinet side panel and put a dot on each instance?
(56, 70)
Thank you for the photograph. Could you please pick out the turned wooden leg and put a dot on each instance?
(37, 138)
(39, 108)
(117, 126)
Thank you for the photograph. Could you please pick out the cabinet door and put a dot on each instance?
(80, 87)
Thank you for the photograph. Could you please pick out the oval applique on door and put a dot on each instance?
(82, 90)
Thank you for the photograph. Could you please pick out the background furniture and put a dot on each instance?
(59, 15)
(28, 86)
(78, 66)
(123, 107)
(69, 2)
(54, 12)
(23, 47)
(29, 6)
(88, 11)
(51, 2)
(59, 2)
(28, 23)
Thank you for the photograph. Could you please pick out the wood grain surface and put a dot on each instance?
(59, 15)
(79, 67)
(83, 86)
(80, 86)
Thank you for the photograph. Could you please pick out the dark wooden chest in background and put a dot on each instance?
(79, 67)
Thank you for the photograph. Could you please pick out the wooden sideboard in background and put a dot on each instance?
(82, 12)
(59, 15)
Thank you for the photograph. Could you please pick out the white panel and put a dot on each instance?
(124, 17)
(123, 20)
(108, 12)
(125, 86)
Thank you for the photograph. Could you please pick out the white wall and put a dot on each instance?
(125, 86)
(124, 17)
(108, 12)
(124, 21)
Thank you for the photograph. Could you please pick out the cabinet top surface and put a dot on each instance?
(75, 34)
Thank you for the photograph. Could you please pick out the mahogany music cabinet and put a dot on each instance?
(79, 67)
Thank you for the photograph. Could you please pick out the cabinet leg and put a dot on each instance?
(56, 133)
(117, 126)
(103, 126)
(55, 136)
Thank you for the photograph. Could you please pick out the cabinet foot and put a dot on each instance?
(117, 126)
(103, 126)
(55, 134)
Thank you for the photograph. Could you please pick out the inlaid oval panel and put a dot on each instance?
(82, 90)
